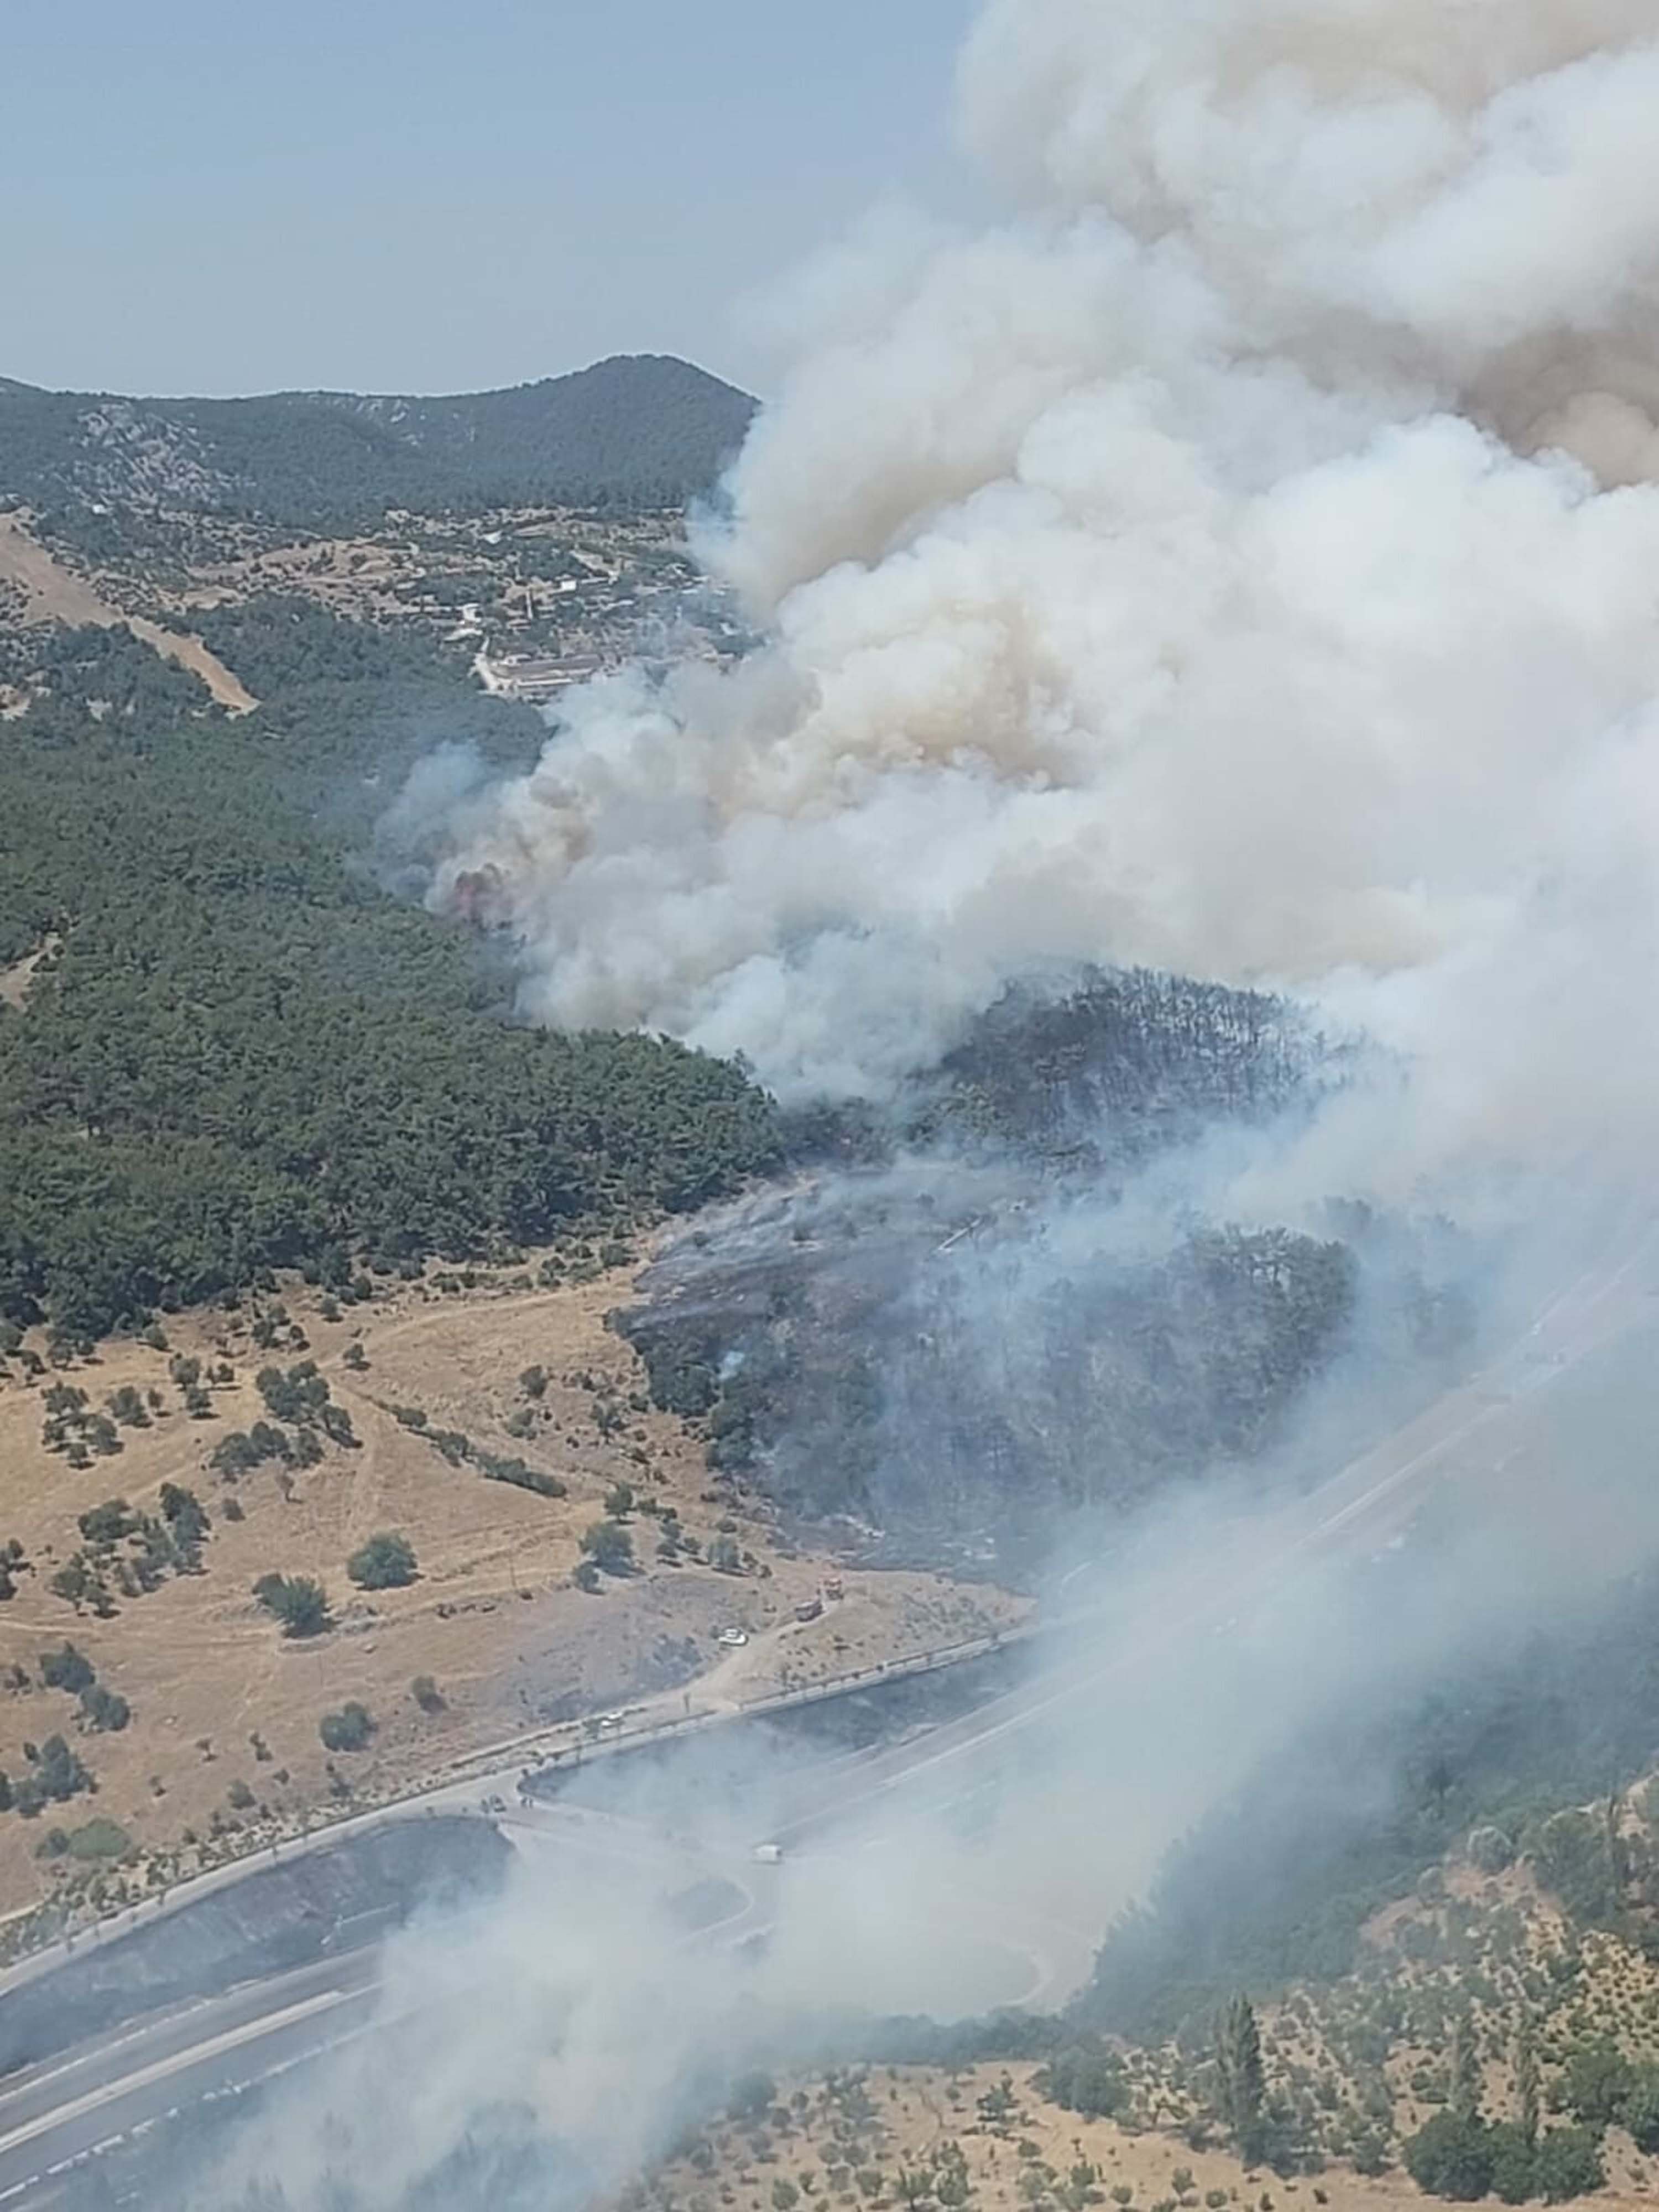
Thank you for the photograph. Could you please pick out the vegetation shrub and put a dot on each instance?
(1595, 2081)
(184, 1514)
(99, 1838)
(752, 2096)
(1569, 2164)
(299, 1603)
(105, 1710)
(1570, 1855)
(1452, 2156)
(1462, 2156)
(108, 1522)
(57, 1774)
(1639, 2111)
(67, 1669)
(495, 1468)
(386, 1561)
(1087, 2079)
(1514, 2158)
(1490, 1850)
(609, 1547)
(348, 1730)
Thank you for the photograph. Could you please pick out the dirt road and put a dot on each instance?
(52, 593)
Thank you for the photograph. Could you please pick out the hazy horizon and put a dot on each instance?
(395, 202)
(471, 391)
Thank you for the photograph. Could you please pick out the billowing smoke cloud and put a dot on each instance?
(1242, 560)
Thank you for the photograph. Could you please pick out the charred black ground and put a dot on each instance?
(957, 1337)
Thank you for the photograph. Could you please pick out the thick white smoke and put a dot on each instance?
(1242, 561)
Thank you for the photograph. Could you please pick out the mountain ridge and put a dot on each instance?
(635, 430)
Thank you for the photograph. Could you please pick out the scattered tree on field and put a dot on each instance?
(298, 1602)
(386, 1561)
(348, 1730)
(69, 1669)
(609, 1547)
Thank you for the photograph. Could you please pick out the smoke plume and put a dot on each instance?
(1241, 560)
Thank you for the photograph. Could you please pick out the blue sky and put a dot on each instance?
(221, 196)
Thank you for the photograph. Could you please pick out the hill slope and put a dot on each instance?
(199, 882)
(632, 431)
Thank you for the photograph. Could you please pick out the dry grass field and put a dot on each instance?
(918, 2135)
(873, 2137)
(223, 1747)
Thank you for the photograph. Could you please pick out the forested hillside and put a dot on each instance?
(1277, 1884)
(953, 1339)
(942, 1393)
(634, 432)
(237, 1052)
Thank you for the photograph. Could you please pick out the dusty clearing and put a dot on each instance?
(51, 593)
(15, 980)
(220, 1698)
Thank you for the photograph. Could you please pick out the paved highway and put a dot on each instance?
(114, 2087)
(58, 2116)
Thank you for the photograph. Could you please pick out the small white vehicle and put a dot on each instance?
(733, 1638)
(768, 1854)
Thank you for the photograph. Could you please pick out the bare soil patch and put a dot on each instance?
(15, 980)
(52, 593)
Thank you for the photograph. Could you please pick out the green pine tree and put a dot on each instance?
(1238, 2059)
(1526, 2082)
(1465, 2069)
